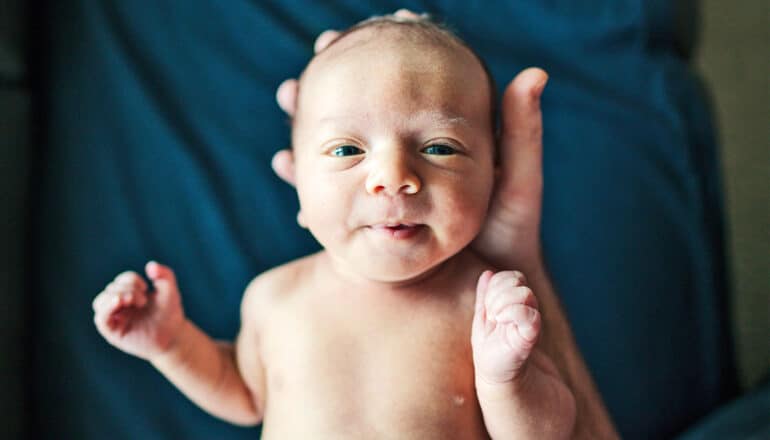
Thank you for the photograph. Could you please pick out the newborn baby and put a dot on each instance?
(396, 329)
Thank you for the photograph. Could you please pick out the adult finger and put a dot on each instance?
(407, 14)
(286, 96)
(521, 142)
(325, 39)
(283, 165)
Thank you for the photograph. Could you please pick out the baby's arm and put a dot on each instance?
(153, 327)
(519, 390)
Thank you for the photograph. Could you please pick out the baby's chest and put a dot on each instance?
(408, 365)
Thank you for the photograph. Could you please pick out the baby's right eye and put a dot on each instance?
(347, 150)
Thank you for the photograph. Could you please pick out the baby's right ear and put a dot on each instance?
(283, 165)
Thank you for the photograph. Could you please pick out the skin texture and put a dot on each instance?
(352, 298)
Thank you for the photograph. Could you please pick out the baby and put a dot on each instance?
(396, 329)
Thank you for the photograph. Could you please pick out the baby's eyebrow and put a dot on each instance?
(337, 119)
(440, 118)
(435, 117)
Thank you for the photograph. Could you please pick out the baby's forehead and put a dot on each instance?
(394, 40)
(401, 56)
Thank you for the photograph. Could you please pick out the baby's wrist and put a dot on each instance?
(173, 351)
(495, 390)
(491, 391)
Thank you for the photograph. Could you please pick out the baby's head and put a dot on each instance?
(393, 144)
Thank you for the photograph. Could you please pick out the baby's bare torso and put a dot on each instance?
(340, 362)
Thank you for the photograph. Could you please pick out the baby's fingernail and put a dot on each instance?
(128, 297)
(527, 332)
(531, 314)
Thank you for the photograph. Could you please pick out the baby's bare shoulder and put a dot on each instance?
(274, 286)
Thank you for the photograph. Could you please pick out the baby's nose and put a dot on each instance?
(392, 175)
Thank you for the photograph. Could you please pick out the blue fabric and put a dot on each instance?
(744, 418)
(159, 123)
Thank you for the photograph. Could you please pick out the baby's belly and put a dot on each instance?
(370, 388)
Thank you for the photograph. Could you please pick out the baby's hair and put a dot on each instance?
(421, 27)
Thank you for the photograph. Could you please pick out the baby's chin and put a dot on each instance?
(389, 270)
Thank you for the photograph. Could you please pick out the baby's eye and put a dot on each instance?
(347, 150)
(439, 149)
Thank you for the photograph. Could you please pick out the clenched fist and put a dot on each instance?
(506, 326)
(139, 322)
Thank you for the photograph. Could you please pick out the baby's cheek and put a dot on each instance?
(465, 215)
(329, 213)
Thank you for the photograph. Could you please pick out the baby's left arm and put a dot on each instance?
(518, 387)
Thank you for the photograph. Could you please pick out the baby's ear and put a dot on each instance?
(283, 165)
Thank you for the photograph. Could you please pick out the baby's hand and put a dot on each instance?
(138, 322)
(506, 325)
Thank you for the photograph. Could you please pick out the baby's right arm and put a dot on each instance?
(154, 327)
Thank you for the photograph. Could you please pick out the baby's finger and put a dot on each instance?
(526, 319)
(112, 298)
(107, 323)
(504, 280)
(116, 294)
(131, 280)
(480, 324)
(100, 301)
(505, 296)
(121, 321)
(106, 300)
(508, 278)
(100, 321)
(115, 319)
(133, 298)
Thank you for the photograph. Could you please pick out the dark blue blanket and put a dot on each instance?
(159, 123)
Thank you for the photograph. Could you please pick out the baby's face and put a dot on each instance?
(394, 150)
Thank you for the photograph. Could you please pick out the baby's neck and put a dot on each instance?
(445, 275)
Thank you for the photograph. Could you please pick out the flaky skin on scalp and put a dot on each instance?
(421, 29)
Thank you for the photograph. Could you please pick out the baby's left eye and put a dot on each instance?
(439, 149)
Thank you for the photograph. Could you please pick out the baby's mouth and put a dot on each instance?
(398, 230)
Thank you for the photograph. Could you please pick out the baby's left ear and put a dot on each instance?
(283, 165)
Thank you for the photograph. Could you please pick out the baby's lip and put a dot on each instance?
(394, 225)
(397, 230)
